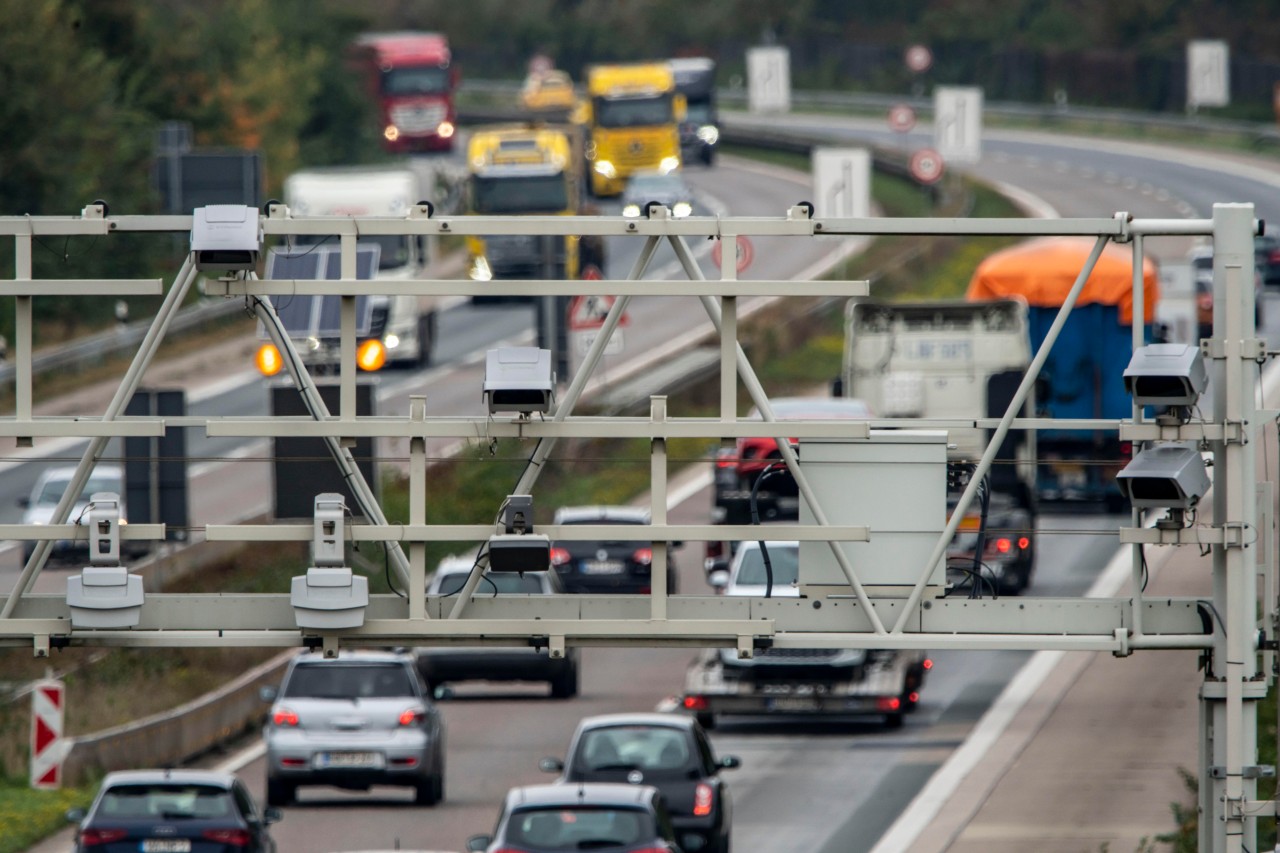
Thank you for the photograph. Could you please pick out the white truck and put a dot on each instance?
(959, 360)
(405, 324)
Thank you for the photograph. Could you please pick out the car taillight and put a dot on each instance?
(643, 556)
(285, 717)
(1004, 546)
(411, 716)
(90, 837)
(1024, 542)
(695, 703)
(703, 798)
(726, 457)
(234, 837)
(1273, 257)
(559, 556)
(889, 703)
(928, 664)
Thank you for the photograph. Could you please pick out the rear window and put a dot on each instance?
(166, 801)
(650, 749)
(785, 561)
(579, 828)
(348, 681)
(499, 582)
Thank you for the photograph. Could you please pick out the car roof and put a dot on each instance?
(580, 793)
(670, 721)
(177, 777)
(309, 658)
(624, 514)
(66, 472)
(794, 408)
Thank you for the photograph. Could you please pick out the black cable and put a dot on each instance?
(770, 470)
(386, 570)
(984, 489)
(484, 549)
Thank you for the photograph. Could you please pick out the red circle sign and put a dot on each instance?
(746, 253)
(902, 118)
(918, 58)
(926, 165)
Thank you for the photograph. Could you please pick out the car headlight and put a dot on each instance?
(391, 341)
(480, 270)
(709, 134)
(605, 168)
(681, 209)
(631, 210)
(669, 164)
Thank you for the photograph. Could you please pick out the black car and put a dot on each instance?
(605, 566)
(173, 811)
(440, 665)
(671, 753)
(602, 818)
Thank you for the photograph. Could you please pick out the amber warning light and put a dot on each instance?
(267, 359)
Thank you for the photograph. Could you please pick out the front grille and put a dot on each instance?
(421, 118)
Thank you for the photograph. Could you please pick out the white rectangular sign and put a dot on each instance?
(769, 80)
(586, 338)
(1208, 74)
(957, 123)
(841, 182)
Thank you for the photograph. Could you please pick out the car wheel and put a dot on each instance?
(430, 792)
(893, 721)
(565, 684)
(280, 793)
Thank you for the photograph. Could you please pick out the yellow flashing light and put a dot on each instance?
(371, 355)
(267, 359)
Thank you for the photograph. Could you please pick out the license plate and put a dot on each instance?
(166, 845)
(793, 703)
(602, 567)
(349, 759)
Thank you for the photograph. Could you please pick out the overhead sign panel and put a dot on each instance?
(1208, 74)
(957, 123)
(842, 182)
(769, 80)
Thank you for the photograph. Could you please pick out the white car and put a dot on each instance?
(749, 574)
(48, 491)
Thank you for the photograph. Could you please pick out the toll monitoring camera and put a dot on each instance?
(329, 595)
(226, 237)
(1166, 375)
(518, 379)
(105, 597)
(519, 552)
(1165, 476)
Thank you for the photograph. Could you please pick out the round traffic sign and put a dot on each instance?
(926, 166)
(901, 118)
(918, 58)
(746, 253)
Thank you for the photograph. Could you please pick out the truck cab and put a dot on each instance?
(700, 129)
(413, 79)
(630, 119)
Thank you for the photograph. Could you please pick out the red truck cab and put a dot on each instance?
(411, 76)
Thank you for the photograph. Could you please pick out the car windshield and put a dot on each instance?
(653, 750)
(664, 185)
(52, 491)
(578, 828)
(785, 560)
(492, 582)
(415, 80)
(168, 801)
(348, 681)
(634, 112)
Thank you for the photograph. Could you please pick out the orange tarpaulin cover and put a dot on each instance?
(1042, 272)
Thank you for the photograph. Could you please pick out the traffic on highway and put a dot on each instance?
(481, 744)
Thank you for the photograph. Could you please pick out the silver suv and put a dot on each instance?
(355, 721)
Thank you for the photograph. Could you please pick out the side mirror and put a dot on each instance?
(729, 762)
(75, 815)
(477, 843)
(551, 765)
(718, 578)
(268, 693)
(271, 815)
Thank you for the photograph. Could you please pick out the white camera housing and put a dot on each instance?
(226, 237)
(1166, 375)
(518, 379)
(1165, 476)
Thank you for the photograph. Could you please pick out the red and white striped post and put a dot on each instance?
(47, 745)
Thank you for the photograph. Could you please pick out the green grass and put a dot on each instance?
(26, 816)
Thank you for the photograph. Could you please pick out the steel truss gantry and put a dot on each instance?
(1239, 660)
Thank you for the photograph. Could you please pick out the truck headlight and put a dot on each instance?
(391, 341)
(391, 133)
(631, 210)
(709, 134)
(480, 269)
(681, 209)
(669, 164)
(605, 168)
(445, 130)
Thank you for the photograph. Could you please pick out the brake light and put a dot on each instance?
(285, 717)
(1273, 257)
(703, 798)
(928, 663)
(643, 556)
(101, 836)
(1024, 542)
(1003, 545)
(559, 556)
(411, 716)
(913, 697)
(234, 837)
(1126, 448)
(726, 458)
(695, 703)
(888, 703)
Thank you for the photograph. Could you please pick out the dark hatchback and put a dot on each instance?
(671, 753)
(563, 818)
(173, 811)
(602, 565)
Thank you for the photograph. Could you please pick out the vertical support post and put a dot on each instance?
(658, 512)
(728, 331)
(22, 334)
(347, 334)
(1135, 514)
(417, 510)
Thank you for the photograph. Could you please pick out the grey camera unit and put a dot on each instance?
(1166, 375)
(1169, 476)
(226, 237)
(518, 379)
(519, 552)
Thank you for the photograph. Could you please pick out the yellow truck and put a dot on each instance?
(521, 170)
(630, 121)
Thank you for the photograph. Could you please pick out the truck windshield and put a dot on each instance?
(416, 80)
(634, 112)
(532, 194)
(700, 112)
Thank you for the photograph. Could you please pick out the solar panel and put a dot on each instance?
(328, 323)
(320, 316)
(297, 311)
